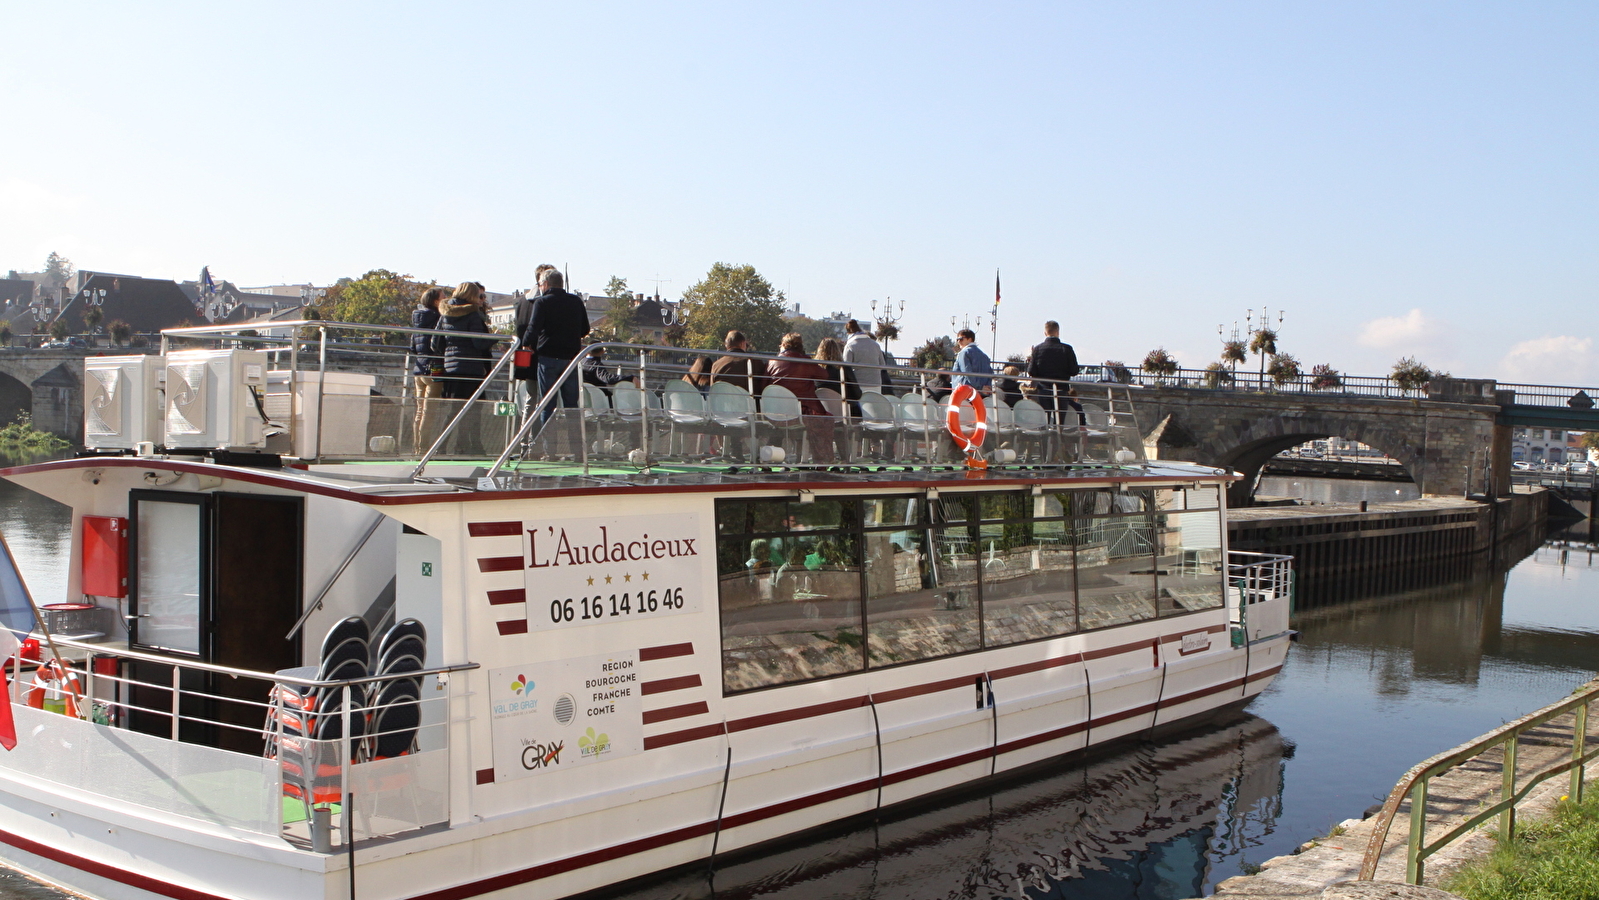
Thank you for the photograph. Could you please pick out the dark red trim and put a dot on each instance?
(669, 684)
(801, 712)
(499, 563)
(485, 776)
(931, 687)
(514, 626)
(698, 707)
(268, 477)
(666, 651)
(1038, 666)
(501, 598)
(555, 867)
(683, 737)
(493, 529)
(108, 872)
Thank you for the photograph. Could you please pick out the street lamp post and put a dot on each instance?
(889, 317)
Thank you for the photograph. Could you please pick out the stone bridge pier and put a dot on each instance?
(46, 384)
(1451, 447)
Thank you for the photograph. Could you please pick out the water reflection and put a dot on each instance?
(1149, 821)
(37, 530)
(1336, 490)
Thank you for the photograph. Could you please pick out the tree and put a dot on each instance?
(58, 329)
(617, 287)
(734, 297)
(1283, 369)
(380, 297)
(1325, 378)
(1410, 375)
(619, 316)
(1160, 364)
(1216, 375)
(120, 331)
(57, 270)
(937, 353)
(813, 331)
(1590, 441)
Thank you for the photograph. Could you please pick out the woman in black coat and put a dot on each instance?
(466, 357)
(426, 368)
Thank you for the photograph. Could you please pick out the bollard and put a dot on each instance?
(322, 829)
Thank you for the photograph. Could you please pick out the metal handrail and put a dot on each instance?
(128, 653)
(1414, 784)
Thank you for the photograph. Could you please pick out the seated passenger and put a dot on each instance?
(794, 371)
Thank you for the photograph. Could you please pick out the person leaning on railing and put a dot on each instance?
(427, 367)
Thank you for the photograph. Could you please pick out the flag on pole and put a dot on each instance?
(209, 286)
(996, 287)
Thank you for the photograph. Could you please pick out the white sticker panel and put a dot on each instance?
(591, 571)
(560, 714)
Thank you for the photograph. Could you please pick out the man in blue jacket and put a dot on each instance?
(972, 366)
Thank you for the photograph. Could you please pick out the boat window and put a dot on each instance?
(1111, 502)
(1028, 580)
(1115, 569)
(790, 599)
(955, 508)
(1204, 496)
(1189, 561)
(1008, 506)
(884, 511)
(921, 594)
(783, 516)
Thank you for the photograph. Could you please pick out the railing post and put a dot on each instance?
(644, 409)
(344, 773)
(1414, 867)
(176, 674)
(1579, 745)
(1507, 819)
(321, 385)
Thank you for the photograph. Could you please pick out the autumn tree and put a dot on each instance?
(120, 332)
(58, 270)
(380, 297)
(734, 298)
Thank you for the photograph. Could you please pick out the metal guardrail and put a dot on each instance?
(1414, 784)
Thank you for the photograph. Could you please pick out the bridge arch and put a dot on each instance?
(15, 398)
(1445, 446)
(1249, 456)
(58, 401)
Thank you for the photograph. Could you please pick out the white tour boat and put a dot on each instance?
(295, 660)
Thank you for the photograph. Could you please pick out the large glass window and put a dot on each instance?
(1189, 560)
(810, 590)
(790, 595)
(1027, 567)
(1114, 535)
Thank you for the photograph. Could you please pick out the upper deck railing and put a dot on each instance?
(647, 409)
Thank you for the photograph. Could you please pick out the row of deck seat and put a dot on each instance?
(728, 408)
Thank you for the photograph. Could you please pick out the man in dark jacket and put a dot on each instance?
(555, 332)
(527, 377)
(749, 374)
(1053, 359)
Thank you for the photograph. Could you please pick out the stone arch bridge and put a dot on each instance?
(1451, 443)
(47, 384)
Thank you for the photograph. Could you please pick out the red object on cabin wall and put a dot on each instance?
(105, 556)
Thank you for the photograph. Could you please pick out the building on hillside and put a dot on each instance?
(16, 290)
(308, 294)
(229, 303)
(146, 304)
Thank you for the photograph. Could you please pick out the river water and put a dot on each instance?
(1375, 685)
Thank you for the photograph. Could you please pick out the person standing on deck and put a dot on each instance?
(972, 366)
(1056, 360)
(427, 367)
(861, 347)
(527, 377)
(555, 332)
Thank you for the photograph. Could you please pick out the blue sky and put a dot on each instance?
(1400, 179)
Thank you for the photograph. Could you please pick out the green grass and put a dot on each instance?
(1550, 859)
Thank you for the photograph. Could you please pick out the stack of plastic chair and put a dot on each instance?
(310, 720)
(397, 709)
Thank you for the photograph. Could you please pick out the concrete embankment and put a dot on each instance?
(1344, 551)
(1452, 798)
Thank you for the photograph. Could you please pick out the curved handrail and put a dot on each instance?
(1448, 759)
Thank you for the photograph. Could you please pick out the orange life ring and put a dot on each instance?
(54, 676)
(971, 443)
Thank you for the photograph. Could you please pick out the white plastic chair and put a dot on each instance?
(781, 409)
(879, 419)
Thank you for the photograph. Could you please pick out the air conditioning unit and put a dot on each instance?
(122, 402)
(213, 400)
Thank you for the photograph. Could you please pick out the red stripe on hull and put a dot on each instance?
(665, 652)
(499, 564)
(669, 684)
(502, 598)
(493, 529)
(514, 626)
